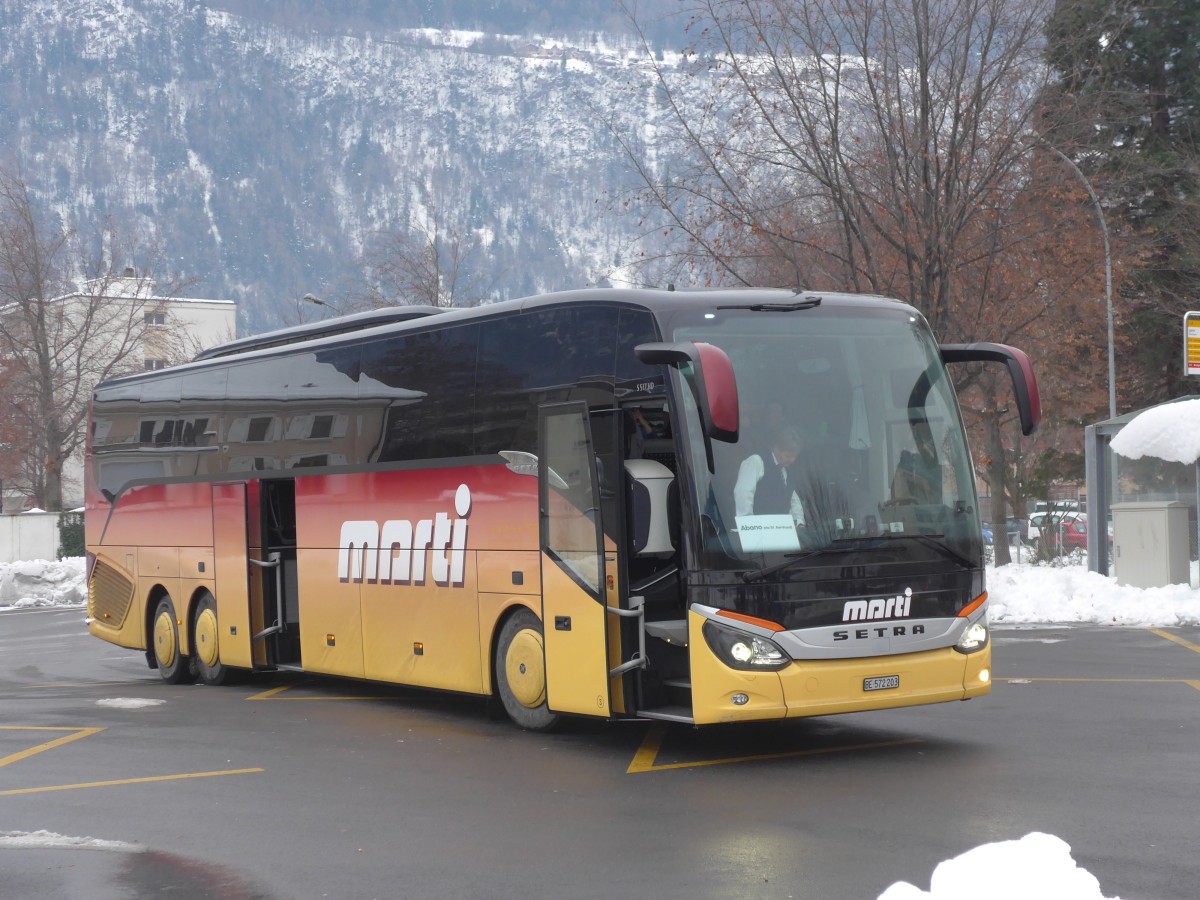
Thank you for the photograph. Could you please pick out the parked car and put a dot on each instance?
(1058, 518)
(1015, 528)
(1066, 529)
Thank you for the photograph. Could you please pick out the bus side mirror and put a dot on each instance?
(708, 370)
(1020, 369)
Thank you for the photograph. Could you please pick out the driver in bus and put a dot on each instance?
(764, 486)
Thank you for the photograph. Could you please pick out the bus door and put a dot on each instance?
(574, 591)
(231, 580)
(276, 565)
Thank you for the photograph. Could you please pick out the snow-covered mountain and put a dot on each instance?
(261, 155)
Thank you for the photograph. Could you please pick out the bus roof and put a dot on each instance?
(325, 328)
(373, 323)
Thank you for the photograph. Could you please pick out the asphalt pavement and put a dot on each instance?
(297, 787)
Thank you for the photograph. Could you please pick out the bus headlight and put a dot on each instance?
(975, 638)
(740, 650)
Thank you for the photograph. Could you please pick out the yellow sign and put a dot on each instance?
(1191, 343)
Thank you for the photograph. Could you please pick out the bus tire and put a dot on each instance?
(521, 672)
(206, 647)
(173, 666)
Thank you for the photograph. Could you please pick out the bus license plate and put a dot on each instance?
(884, 683)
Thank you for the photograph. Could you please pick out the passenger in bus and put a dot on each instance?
(764, 486)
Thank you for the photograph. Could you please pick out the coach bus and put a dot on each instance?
(534, 501)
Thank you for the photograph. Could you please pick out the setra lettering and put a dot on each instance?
(862, 634)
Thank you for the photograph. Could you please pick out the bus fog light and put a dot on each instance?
(985, 676)
(739, 699)
(974, 638)
(743, 651)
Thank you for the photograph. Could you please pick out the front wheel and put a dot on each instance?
(521, 672)
(205, 643)
(173, 666)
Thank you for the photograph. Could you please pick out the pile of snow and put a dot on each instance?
(42, 582)
(1037, 867)
(1170, 431)
(1019, 594)
(49, 840)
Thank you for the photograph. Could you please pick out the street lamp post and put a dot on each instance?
(1112, 380)
(317, 301)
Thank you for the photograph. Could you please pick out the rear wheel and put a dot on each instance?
(173, 666)
(521, 672)
(205, 643)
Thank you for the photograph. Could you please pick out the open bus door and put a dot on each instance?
(574, 617)
(231, 538)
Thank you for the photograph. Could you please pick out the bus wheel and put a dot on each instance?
(205, 643)
(521, 672)
(173, 666)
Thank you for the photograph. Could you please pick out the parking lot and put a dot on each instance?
(296, 787)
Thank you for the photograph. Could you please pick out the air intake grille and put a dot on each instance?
(109, 594)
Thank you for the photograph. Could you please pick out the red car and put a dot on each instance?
(1069, 531)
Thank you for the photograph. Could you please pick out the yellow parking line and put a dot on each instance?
(267, 695)
(1195, 648)
(96, 784)
(647, 753)
(78, 734)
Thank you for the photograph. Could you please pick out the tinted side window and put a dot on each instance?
(322, 418)
(636, 327)
(421, 389)
(539, 357)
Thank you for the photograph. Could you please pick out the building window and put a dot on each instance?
(156, 318)
(153, 365)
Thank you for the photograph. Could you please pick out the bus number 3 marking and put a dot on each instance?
(404, 546)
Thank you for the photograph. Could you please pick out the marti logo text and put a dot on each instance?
(897, 607)
(396, 552)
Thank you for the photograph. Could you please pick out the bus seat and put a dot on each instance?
(653, 504)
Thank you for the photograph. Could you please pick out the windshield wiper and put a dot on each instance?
(929, 540)
(806, 303)
(790, 559)
(843, 545)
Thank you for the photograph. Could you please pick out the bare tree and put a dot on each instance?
(56, 340)
(882, 147)
(434, 263)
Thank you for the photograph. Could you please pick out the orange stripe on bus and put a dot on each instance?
(973, 605)
(751, 620)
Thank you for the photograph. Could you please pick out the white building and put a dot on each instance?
(175, 328)
(119, 325)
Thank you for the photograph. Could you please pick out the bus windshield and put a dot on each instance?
(850, 438)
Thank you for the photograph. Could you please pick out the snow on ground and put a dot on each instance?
(43, 583)
(1037, 867)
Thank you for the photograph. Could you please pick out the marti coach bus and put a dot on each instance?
(534, 501)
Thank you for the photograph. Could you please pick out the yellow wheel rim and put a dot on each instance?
(206, 638)
(524, 667)
(164, 640)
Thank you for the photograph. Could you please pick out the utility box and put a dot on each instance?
(1150, 543)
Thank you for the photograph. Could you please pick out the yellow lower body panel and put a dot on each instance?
(826, 687)
(822, 688)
